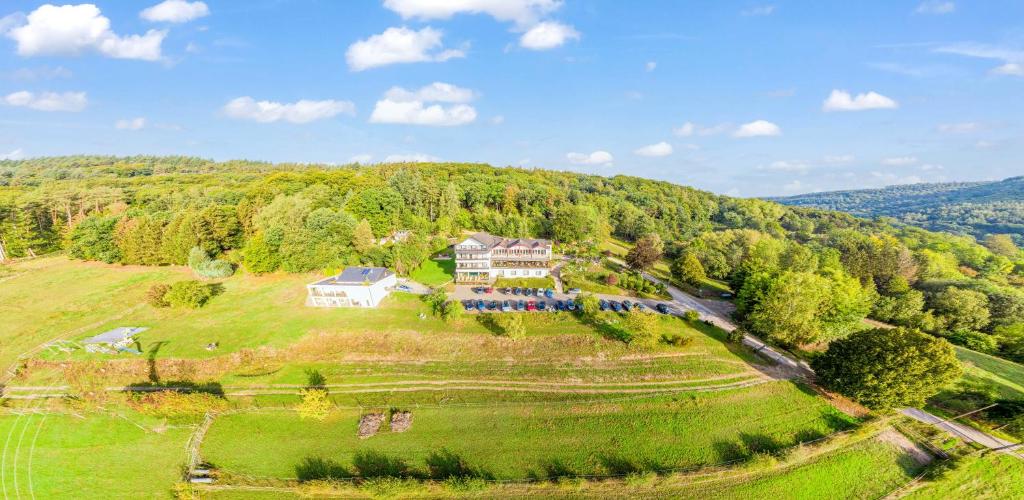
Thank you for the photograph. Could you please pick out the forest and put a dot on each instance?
(802, 276)
(968, 208)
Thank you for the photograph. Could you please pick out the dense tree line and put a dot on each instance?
(801, 275)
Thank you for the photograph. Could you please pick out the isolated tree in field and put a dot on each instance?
(362, 237)
(885, 369)
(688, 269)
(647, 250)
(315, 404)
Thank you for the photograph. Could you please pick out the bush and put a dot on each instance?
(189, 294)
(157, 295)
(203, 265)
(691, 315)
(176, 404)
(977, 341)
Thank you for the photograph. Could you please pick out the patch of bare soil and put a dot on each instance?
(401, 421)
(897, 439)
(369, 424)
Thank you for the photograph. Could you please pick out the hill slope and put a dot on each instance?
(974, 208)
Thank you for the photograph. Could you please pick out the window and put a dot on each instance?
(511, 273)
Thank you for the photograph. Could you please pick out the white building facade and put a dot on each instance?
(482, 258)
(354, 287)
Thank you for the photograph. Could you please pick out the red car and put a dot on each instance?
(489, 289)
(531, 306)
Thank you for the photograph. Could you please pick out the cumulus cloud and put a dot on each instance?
(303, 111)
(548, 35)
(16, 154)
(785, 166)
(899, 161)
(690, 129)
(175, 11)
(399, 45)
(654, 150)
(361, 158)
(650, 66)
(1009, 69)
(411, 158)
(131, 124)
(48, 101)
(758, 128)
(841, 100)
(401, 106)
(71, 30)
(935, 7)
(521, 12)
(595, 158)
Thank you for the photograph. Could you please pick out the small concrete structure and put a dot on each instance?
(118, 338)
(354, 287)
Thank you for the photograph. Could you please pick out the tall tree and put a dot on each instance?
(647, 250)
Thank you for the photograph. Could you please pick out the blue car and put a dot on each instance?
(467, 304)
(603, 304)
(549, 293)
(570, 305)
(506, 306)
(542, 305)
(517, 291)
(627, 305)
(616, 306)
(480, 305)
(522, 305)
(662, 308)
(560, 305)
(492, 305)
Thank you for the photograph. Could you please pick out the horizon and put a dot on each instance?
(883, 94)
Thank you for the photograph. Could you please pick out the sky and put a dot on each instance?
(736, 97)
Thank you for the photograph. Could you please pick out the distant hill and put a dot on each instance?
(974, 208)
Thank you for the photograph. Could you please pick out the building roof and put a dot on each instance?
(491, 241)
(114, 336)
(357, 275)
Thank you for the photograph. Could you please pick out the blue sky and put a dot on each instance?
(743, 98)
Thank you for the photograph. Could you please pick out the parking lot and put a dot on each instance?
(474, 293)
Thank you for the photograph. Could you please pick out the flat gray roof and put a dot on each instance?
(116, 335)
(357, 275)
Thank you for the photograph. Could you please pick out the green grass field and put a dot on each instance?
(434, 272)
(520, 441)
(1005, 377)
(988, 476)
(98, 456)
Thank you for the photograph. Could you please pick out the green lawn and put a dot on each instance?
(98, 456)
(1006, 377)
(520, 441)
(434, 272)
(989, 476)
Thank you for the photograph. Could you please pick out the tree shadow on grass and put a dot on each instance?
(558, 469)
(371, 463)
(748, 445)
(489, 322)
(444, 464)
(317, 468)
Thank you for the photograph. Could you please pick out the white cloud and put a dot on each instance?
(361, 158)
(834, 159)
(403, 106)
(1009, 69)
(411, 158)
(840, 100)
(175, 11)
(521, 12)
(786, 166)
(794, 186)
(595, 158)
(959, 128)
(890, 178)
(685, 130)
(39, 73)
(437, 91)
(17, 154)
(658, 149)
(650, 66)
(548, 35)
(760, 10)
(935, 7)
(70, 30)
(497, 119)
(399, 45)
(48, 101)
(689, 129)
(927, 167)
(131, 124)
(758, 128)
(899, 161)
(303, 111)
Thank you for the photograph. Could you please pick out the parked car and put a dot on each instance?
(517, 291)
(560, 305)
(403, 288)
(662, 308)
(506, 290)
(615, 306)
(468, 304)
(522, 305)
(570, 305)
(531, 306)
(492, 305)
(574, 290)
(542, 305)
(549, 293)
(480, 305)
(603, 304)
(725, 295)
(627, 305)
(489, 289)
(506, 306)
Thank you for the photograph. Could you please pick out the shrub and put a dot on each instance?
(691, 315)
(189, 294)
(157, 295)
(315, 404)
(203, 265)
(176, 404)
(612, 279)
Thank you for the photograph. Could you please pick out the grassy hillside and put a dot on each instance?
(974, 208)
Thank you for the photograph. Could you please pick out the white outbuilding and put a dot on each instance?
(354, 287)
